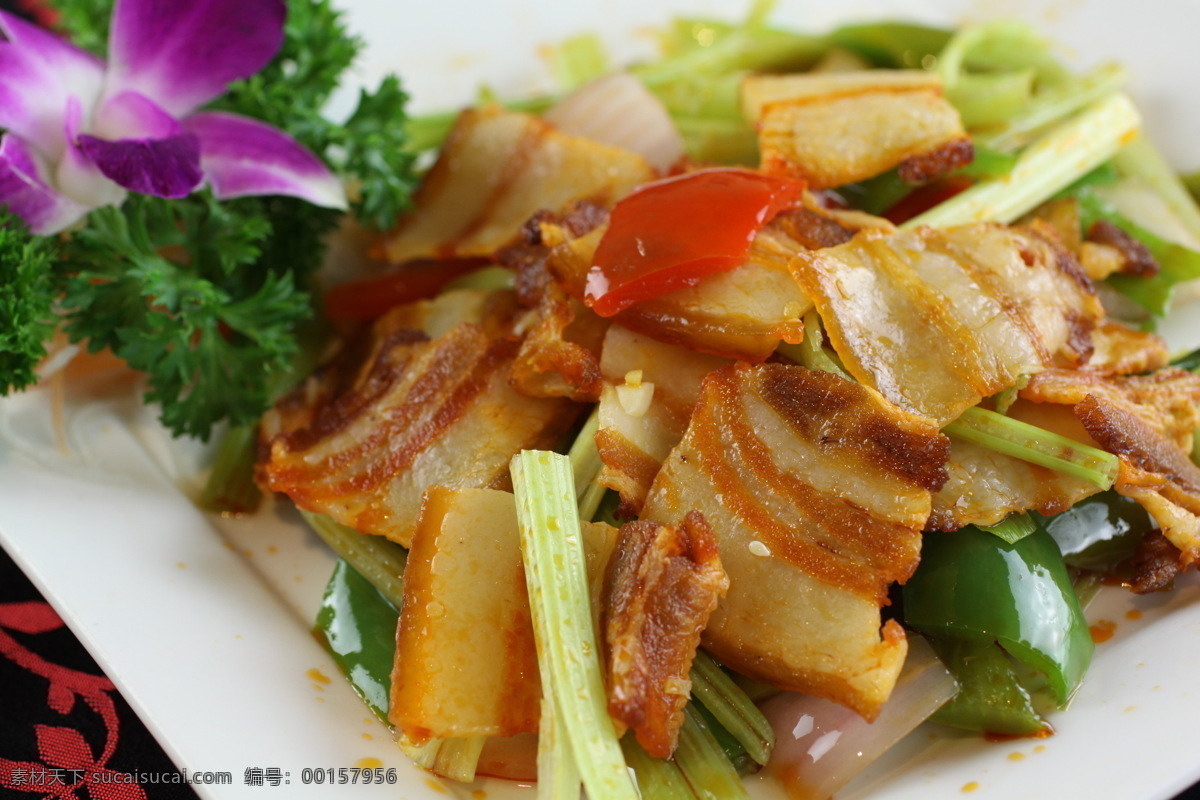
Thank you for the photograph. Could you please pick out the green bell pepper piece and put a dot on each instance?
(990, 696)
(1100, 532)
(973, 586)
(358, 625)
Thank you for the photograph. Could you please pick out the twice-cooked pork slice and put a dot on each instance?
(1149, 422)
(496, 169)
(650, 389)
(817, 490)
(938, 319)
(560, 352)
(664, 582)
(1121, 350)
(836, 128)
(984, 486)
(389, 419)
(466, 664)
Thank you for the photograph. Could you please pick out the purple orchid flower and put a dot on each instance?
(80, 133)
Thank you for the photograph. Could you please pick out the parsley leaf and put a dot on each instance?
(179, 292)
(27, 318)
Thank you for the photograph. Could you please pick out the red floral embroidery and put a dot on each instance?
(70, 768)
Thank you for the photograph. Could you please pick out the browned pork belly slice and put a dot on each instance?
(984, 487)
(663, 583)
(496, 169)
(1121, 350)
(817, 489)
(1149, 422)
(936, 320)
(466, 662)
(364, 437)
(837, 128)
(560, 351)
(649, 391)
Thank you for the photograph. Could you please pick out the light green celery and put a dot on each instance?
(1001, 46)
(703, 762)
(1005, 398)
(457, 758)
(1052, 105)
(892, 44)
(378, 560)
(586, 466)
(1013, 528)
(991, 98)
(1141, 159)
(719, 141)
(811, 352)
(723, 49)
(657, 779)
(1035, 445)
(577, 60)
(557, 773)
(730, 706)
(230, 488)
(559, 600)
(1056, 159)
(717, 97)
(424, 756)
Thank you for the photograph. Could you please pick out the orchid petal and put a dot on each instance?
(40, 72)
(76, 175)
(168, 167)
(183, 54)
(26, 193)
(130, 115)
(242, 156)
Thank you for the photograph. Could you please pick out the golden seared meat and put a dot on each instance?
(1149, 422)
(498, 168)
(836, 128)
(817, 490)
(663, 583)
(938, 319)
(399, 412)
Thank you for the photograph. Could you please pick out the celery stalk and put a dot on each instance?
(230, 488)
(378, 560)
(1052, 105)
(703, 762)
(657, 779)
(457, 758)
(1141, 159)
(1066, 152)
(586, 466)
(424, 755)
(557, 773)
(1013, 528)
(577, 60)
(1035, 445)
(559, 601)
(730, 706)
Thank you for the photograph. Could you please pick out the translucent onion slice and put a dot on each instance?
(618, 110)
(821, 746)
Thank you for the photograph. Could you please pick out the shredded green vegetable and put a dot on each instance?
(1062, 155)
(559, 601)
(1035, 445)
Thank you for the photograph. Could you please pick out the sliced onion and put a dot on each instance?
(618, 110)
(820, 746)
